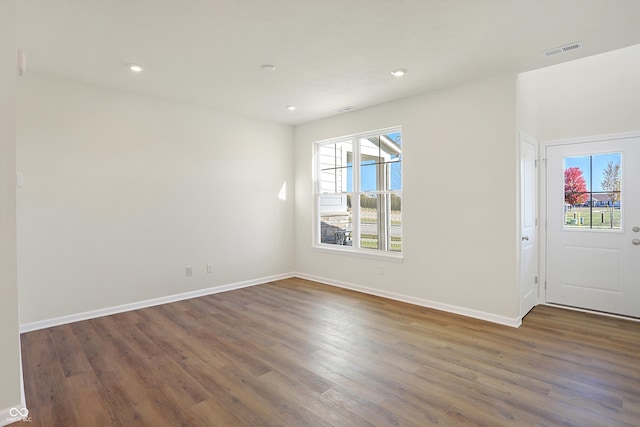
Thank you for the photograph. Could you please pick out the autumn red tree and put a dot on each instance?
(575, 187)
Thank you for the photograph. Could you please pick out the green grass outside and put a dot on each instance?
(582, 217)
(374, 221)
(370, 216)
(370, 241)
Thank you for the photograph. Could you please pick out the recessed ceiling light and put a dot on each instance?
(291, 107)
(267, 67)
(344, 109)
(398, 72)
(135, 68)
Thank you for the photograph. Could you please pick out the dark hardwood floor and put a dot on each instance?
(293, 353)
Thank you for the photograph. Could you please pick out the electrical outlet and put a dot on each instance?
(189, 271)
(381, 269)
(209, 268)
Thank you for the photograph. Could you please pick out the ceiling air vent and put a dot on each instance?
(563, 49)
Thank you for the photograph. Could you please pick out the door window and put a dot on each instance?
(593, 192)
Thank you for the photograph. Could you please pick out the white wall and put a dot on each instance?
(527, 122)
(459, 198)
(10, 394)
(590, 96)
(122, 192)
(527, 103)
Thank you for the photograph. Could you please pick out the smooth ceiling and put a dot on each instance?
(328, 53)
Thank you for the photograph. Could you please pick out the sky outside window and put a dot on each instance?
(600, 162)
(368, 175)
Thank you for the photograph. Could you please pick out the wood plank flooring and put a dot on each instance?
(298, 353)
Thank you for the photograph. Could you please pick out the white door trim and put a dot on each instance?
(543, 205)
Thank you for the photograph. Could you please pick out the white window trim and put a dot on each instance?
(359, 253)
(349, 250)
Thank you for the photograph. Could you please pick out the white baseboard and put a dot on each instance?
(42, 324)
(476, 314)
(6, 417)
(13, 415)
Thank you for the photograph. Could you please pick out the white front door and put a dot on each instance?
(528, 226)
(593, 225)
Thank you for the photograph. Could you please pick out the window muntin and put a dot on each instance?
(359, 207)
(593, 192)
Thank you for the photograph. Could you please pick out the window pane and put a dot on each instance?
(381, 221)
(368, 175)
(395, 224)
(381, 162)
(369, 221)
(592, 191)
(394, 148)
(336, 167)
(369, 160)
(336, 222)
(396, 176)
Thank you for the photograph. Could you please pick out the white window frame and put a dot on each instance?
(356, 168)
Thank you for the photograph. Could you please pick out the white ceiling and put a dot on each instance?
(328, 53)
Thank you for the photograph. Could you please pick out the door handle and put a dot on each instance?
(527, 238)
(636, 242)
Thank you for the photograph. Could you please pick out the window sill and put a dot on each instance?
(360, 253)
